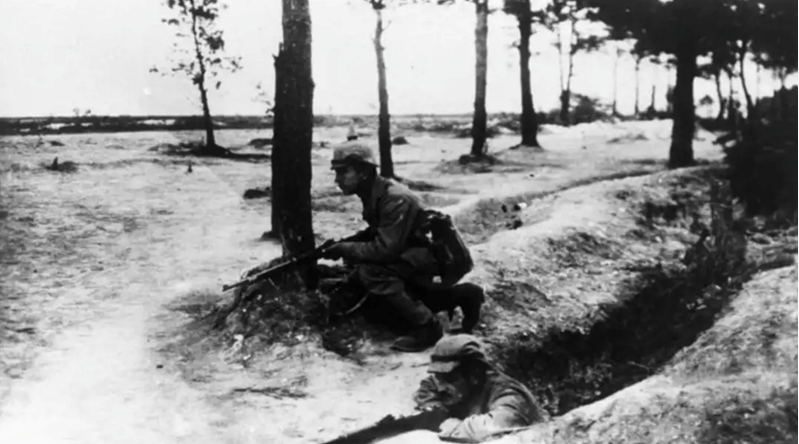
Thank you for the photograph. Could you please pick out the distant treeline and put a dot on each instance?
(110, 124)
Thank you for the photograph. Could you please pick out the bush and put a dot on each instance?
(588, 109)
(762, 167)
(583, 109)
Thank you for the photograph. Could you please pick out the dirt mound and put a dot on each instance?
(469, 164)
(708, 380)
(279, 310)
(61, 167)
(199, 149)
(399, 140)
(258, 192)
(736, 383)
(493, 215)
(260, 142)
(629, 137)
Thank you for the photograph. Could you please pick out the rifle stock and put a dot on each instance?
(390, 426)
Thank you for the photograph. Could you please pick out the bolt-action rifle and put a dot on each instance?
(392, 426)
(431, 420)
(257, 275)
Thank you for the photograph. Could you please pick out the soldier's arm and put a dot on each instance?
(396, 223)
(364, 235)
(426, 396)
(507, 410)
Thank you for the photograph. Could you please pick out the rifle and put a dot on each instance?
(262, 275)
(291, 263)
(390, 426)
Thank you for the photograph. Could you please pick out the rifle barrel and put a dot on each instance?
(289, 263)
(274, 269)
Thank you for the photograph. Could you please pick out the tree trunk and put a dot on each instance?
(717, 77)
(614, 106)
(565, 98)
(776, 105)
(655, 72)
(293, 136)
(210, 140)
(681, 152)
(669, 91)
(670, 98)
(757, 86)
(637, 109)
(384, 120)
(784, 97)
(278, 117)
(652, 99)
(529, 120)
(479, 120)
(750, 106)
(732, 112)
(565, 94)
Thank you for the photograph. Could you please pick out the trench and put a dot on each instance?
(487, 217)
(663, 309)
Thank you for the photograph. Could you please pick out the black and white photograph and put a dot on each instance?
(398, 222)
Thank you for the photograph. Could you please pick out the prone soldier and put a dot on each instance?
(480, 400)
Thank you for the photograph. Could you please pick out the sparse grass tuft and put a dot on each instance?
(759, 421)
(628, 137)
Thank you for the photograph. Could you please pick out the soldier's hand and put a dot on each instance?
(333, 252)
(247, 272)
(327, 244)
(448, 426)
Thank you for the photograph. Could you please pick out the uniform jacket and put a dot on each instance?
(502, 403)
(392, 212)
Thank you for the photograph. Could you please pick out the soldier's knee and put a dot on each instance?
(379, 280)
(366, 272)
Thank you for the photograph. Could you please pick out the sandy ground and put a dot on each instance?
(94, 260)
(104, 248)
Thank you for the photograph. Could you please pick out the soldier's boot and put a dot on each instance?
(421, 338)
(469, 297)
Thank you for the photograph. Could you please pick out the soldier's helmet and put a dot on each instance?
(352, 153)
(451, 351)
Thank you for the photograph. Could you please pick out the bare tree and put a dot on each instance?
(570, 13)
(384, 118)
(618, 52)
(480, 116)
(196, 20)
(522, 10)
(638, 58)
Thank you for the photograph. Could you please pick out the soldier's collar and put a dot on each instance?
(378, 188)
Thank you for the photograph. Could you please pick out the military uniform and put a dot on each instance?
(391, 252)
(501, 403)
(393, 256)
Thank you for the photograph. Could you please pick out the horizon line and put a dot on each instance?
(169, 116)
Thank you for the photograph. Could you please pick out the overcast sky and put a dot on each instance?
(95, 54)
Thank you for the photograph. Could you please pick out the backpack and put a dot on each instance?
(451, 254)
